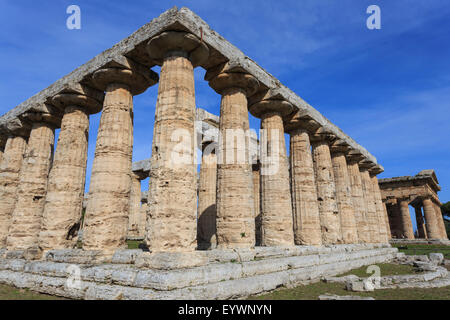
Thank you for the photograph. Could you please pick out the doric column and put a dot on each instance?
(369, 199)
(172, 203)
(326, 191)
(344, 194)
(386, 219)
(9, 181)
(393, 210)
(257, 201)
(431, 224)
(420, 222)
(143, 217)
(276, 204)
(32, 190)
(107, 209)
(407, 228)
(63, 204)
(440, 221)
(3, 140)
(235, 203)
(380, 208)
(307, 229)
(206, 224)
(359, 204)
(134, 217)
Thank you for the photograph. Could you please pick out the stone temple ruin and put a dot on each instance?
(419, 191)
(320, 214)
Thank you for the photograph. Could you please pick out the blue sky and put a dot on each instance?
(388, 89)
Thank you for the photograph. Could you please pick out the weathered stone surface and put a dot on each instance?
(136, 217)
(235, 203)
(358, 202)
(206, 224)
(344, 198)
(437, 258)
(9, 177)
(304, 192)
(371, 211)
(440, 221)
(63, 204)
(257, 202)
(431, 225)
(201, 280)
(407, 227)
(106, 217)
(420, 222)
(276, 205)
(380, 209)
(326, 193)
(27, 215)
(170, 260)
(172, 206)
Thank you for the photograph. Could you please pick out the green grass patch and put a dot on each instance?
(386, 269)
(11, 293)
(423, 249)
(133, 244)
(313, 291)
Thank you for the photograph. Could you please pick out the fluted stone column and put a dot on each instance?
(407, 227)
(371, 210)
(172, 204)
(388, 225)
(206, 224)
(134, 217)
(381, 213)
(276, 204)
(257, 201)
(440, 221)
(344, 197)
(359, 204)
(306, 217)
(326, 192)
(393, 209)
(107, 209)
(61, 218)
(143, 218)
(431, 224)
(9, 181)
(420, 222)
(27, 216)
(235, 203)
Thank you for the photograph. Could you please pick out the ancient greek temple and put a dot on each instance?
(420, 192)
(319, 212)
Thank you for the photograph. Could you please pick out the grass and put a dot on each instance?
(11, 293)
(420, 249)
(387, 269)
(313, 291)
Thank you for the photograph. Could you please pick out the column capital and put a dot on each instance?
(177, 43)
(51, 118)
(85, 97)
(322, 135)
(226, 76)
(376, 170)
(354, 156)
(281, 107)
(339, 146)
(134, 75)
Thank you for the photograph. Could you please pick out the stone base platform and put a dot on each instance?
(420, 241)
(214, 274)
